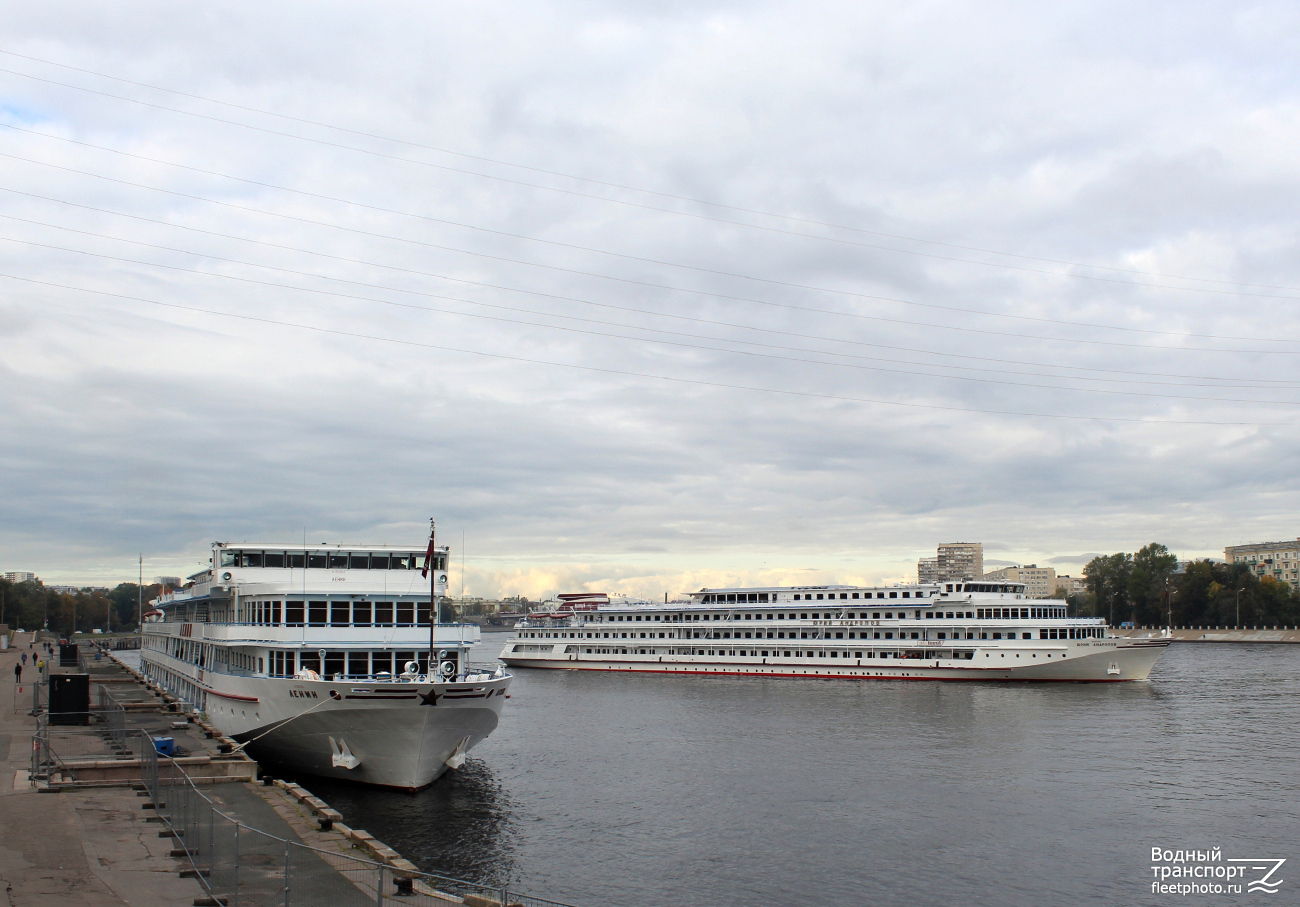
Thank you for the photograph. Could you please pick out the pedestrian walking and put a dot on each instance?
(24, 658)
(18, 673)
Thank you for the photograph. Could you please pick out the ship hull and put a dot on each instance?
(1095, 661)
(398, 735)
(404, 748)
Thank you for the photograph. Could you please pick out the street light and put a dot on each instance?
(1238, 607)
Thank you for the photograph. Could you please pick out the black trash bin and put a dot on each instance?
(67, 654)
(69, 699)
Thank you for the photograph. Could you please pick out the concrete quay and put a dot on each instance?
(1216, 634)
(89, 834)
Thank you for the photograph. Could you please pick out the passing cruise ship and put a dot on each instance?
(934, 631)
(320, 658)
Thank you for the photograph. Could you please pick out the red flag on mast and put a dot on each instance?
(428, 555)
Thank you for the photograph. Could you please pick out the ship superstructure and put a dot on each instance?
(933, 631)
(327, 658)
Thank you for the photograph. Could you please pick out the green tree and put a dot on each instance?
(1107, 577)
(1147, 582)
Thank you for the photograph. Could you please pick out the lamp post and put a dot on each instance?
(1238, 607)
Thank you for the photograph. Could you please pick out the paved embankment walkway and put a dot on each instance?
(89, 847)
(1208, 634)
(93, 846)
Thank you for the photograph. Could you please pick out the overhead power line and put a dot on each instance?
(662, 342)
(642, 283)
(1273, 384)
(607, 305)
(593, 181)
(669, 264)
(630, 374)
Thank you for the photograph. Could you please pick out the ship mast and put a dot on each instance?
(430, 564)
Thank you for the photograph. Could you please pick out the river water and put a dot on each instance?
(651, 791)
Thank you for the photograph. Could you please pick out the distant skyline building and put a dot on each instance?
(19, 576)
(1280, 560)
(927, 570)
(1040, 582)
(1071, 585)
(961, 560)
(954, 561)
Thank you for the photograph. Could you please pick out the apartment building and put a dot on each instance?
(953, 562)
(1280, 560)
(927, 570)
(1040, 582)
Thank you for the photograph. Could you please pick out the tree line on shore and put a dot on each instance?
(32, 606)
(1149, 585)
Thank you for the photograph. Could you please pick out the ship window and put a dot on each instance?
(422, 614)
(875, 635)
(275, 613)
(228, 558)
(1026, 636)
(906, 594)
(359, 561)
(381, 661)
(401, 658)
(893, 595)
(405, 614)
(317, 613)
(819, 596)
(384, 614)
(943, 635)
(358, 664)
(252, 559)
(855, 595)
(378, 562)
(338, 561)
(296, 561)
(334, 664)
(274, 559)
(949, 614)
(309, 661)
(361, 614)
(997, 635)
(339, 613)
(317, 561)
(916, 635)
(889, 636)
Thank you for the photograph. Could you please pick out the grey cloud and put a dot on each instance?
(1143, 141)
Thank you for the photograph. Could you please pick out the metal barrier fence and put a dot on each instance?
(59, 748)
(113, 715)
(238, 864)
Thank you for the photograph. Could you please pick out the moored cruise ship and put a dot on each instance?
(327, 659)
(938, 631)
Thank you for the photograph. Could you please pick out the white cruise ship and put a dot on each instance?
(319, 658)
(939, 631)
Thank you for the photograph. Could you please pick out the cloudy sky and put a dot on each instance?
(643, 297)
